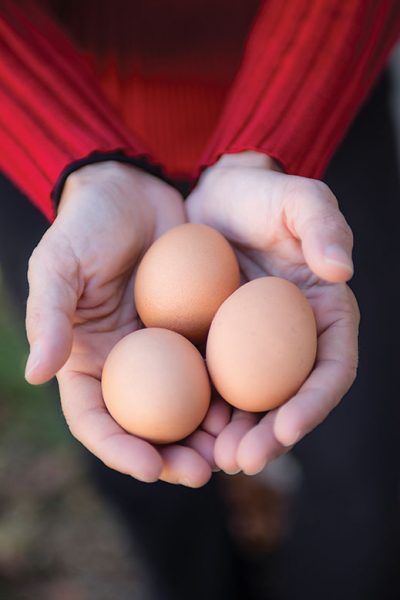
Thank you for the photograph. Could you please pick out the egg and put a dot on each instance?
(155, 385)
(262, 344)
(183, 279)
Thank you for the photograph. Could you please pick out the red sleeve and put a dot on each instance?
(307, 67)
(52, 110)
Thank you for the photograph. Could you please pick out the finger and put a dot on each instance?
(227, 443)
(53, 277)
(331, 378)
(306, 207)
(184, 466)
(204, 444)
(313, 216)
(259, 446)
(217, 417)
(91, 424)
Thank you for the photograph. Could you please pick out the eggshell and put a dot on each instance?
(183, 278)
(262, 344)
(155, 385)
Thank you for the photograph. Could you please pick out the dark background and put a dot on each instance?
(60, 541)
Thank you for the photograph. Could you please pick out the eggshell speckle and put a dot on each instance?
(155, 385)
(262, 344)
(183, 279)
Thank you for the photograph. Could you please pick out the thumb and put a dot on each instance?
(326, 238)
(53, 277)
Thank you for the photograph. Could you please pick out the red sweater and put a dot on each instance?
(203, 79)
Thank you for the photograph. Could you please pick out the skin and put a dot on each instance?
(289, 227)
(80, 303)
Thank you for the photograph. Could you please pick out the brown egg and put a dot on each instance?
(183, 279)
(262, 344)
(155, 385)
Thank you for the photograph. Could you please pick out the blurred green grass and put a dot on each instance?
(30, 412)
(58, 540)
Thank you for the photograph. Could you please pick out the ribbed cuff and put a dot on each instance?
(141, 162)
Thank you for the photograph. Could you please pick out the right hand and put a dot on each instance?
(80, 305)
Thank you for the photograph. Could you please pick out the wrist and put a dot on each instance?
(112, 192)
(104, 202)
(248, 158)
(108, 177)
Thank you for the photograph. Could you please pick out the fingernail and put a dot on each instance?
(33, 360)
(235, 472)
(186, 482)
(291, 440)
(255, 471)
(336, 255)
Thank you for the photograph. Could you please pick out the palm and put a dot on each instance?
(323, 296)
(330, 301)
(258, 212)
(100, 321)
(92, 252)
(96, 331)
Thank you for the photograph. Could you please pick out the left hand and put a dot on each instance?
(290, 227)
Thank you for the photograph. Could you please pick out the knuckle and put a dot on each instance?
(316, 205)
(33, 262)
(342, 228)
(111, 462)
(41, 255)
(322, 219)
(74, 427)
(309, 188)
(325, 192)
(351, 370)
(52, 264)
(331, 222)
(316, 192)
(321, 191)
(33, 318)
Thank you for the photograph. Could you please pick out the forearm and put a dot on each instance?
(306, 70)
(53, 112)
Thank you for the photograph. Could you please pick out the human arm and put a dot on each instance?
(54, 116)
(306, 69)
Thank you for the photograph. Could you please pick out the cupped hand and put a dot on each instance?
(80, 305)
(290, 227)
